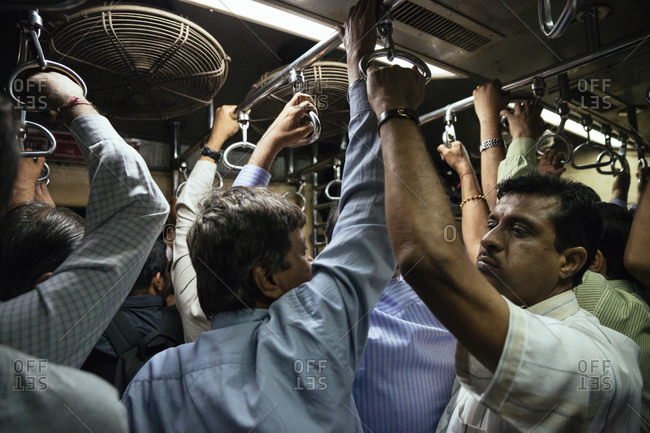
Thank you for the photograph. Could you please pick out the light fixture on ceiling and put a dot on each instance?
(289, 22)
(577, 129)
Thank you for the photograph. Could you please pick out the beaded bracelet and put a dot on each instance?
(475, 197)
(75, 100)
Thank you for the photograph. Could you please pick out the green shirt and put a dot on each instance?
(617, 306)
(520, 160)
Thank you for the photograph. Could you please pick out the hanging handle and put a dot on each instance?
(551, 28)
(385, 28)
(299, 195)
(243, 120)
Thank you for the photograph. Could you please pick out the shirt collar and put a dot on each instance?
(230, 318)
(143, 301)
(557, 307)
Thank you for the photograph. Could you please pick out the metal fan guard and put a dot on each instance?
(139, 62)
(326, 82)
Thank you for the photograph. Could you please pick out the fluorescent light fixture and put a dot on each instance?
(288, 22)
(577, 129)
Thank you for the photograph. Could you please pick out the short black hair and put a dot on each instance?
(35, 238)
(617, 222)
(8, 151)
(156, 262)
(235, 232)
(332, 219)
(577, 222)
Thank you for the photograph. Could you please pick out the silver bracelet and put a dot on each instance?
(491, 142)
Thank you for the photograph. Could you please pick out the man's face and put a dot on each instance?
(518, 255)
(300, 264)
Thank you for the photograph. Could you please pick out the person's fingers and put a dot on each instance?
(506, 113)
(443, 150)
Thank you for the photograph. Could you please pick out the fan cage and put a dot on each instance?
(139, 62)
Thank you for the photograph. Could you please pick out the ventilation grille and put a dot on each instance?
(326, 82)
(141, 63)
(438, 26)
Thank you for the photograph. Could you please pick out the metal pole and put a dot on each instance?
(176, 149)
(318, 51)
(551, 71)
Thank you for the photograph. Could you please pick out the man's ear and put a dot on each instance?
(266, 283)
(574, 259)
(600, 264)
(157, 284)
(42, 278)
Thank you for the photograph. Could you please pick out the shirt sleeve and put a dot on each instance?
(352, 272)
(252, 175)
(520, 160)
(551, 371)
(63, 317)
(183, 275)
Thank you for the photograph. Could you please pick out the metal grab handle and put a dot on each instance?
(48, 135)
(328, 194)
(226, 154)
(554, 29)
(557, 138)
(612, 162)
(243, 119)
(299, 195)
(449, 135)
(592, 146)
(314, 135)
(385, 29)
(36, 64)
(46, 177)
(391, 54)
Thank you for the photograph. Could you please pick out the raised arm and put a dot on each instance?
(63, 317)
(488, 102)
(637, 259)
(473, 205)
(284, 131)
(439, 271)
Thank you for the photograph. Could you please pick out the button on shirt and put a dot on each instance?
(288, 368)
(560, 371)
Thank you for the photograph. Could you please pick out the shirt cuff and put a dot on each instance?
(252, 175)
(358, 98)
(522, 146)
(619, 202)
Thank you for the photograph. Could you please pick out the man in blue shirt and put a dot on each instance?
(284, 357)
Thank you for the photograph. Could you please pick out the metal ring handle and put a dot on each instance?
(220, 184)
(35, 64)
(449, 135)
(327, 189)
(556, 138)
(239, 144)
(46, 177)
(314, 135)
(300, 196)
(414, 60)
(40, 153)
(554, 29)
(612, 162)
(588, 145)
(177, 191)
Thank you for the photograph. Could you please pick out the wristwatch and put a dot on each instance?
(206, 151)
(491, 142)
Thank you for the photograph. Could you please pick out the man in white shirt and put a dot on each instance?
(527, 357)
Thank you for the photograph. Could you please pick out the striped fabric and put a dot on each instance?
(405, 377)
(63, 317)
(617, 306)
(252, 175)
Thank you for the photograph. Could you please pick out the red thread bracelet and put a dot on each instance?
(75, 100)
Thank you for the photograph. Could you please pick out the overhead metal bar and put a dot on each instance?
(318, 51)
(567, 65)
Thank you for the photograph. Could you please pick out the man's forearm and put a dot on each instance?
(490, 159)
(439, 271)
(475, 213)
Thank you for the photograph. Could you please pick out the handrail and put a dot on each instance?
(565, 66)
